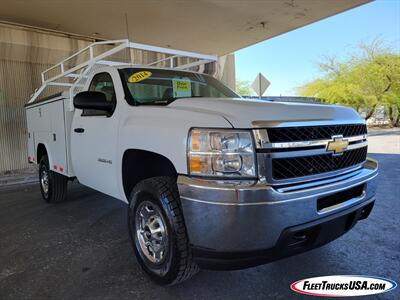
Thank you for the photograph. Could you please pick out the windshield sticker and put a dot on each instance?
(181, 88)
(139, 76)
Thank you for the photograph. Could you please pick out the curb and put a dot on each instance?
(19, 177)
(17, 180)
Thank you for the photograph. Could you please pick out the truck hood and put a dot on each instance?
(242, 113)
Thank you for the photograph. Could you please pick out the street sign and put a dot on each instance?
(260, 84)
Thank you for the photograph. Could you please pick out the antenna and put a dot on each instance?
(129, 38)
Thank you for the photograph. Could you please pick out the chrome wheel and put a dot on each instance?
(151, 232)
(44, 181)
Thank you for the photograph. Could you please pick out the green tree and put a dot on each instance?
(365, 80)
(243, 87)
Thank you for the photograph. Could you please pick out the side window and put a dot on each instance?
(101, 82)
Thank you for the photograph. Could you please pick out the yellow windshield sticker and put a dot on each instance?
(181, 88)
(139, 76)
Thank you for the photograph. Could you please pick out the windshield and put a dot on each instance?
(161, 87)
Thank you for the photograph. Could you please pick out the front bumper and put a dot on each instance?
(252, 217)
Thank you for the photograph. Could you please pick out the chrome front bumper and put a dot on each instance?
(230, 218)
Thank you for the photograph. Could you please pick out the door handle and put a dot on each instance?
(79, 130)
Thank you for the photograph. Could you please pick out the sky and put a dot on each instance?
(290, 60)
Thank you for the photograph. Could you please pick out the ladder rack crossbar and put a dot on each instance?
(91, 46)
(161, 60)
(171, 51)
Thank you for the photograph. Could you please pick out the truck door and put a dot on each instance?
(94, 141)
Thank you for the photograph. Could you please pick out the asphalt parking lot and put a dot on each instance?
(80, 249)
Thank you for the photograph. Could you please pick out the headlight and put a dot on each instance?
(223, 153)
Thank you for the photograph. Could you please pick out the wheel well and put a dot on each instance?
(41, 151)
(138, 165)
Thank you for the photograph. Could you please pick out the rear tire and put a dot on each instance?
(53, 186)
(155, 222)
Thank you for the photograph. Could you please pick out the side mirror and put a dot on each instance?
(93, 100)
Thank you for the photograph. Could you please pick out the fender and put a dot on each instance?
(48, 153)
(161, 130)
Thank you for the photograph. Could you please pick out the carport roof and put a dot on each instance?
(208, 26)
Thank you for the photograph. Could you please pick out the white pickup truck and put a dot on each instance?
(211, 180)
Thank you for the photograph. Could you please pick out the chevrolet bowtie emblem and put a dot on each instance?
(337, 144)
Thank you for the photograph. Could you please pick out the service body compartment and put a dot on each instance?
(49, 124)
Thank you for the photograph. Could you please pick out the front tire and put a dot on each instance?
(53, 186)
(158, 233)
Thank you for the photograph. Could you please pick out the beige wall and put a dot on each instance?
(24, 54)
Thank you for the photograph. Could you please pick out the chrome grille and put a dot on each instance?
(291, 167)
(309, 133)
(317, 150)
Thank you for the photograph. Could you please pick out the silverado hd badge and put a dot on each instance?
(338, 145)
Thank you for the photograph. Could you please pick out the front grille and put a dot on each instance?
(308, 133)
(290, 167)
